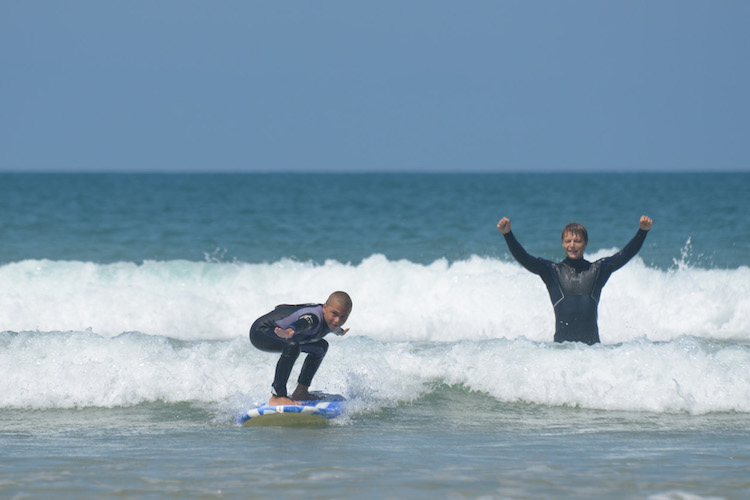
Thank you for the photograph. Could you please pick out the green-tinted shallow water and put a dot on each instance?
(452, 444)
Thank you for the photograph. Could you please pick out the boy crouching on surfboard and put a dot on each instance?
(291, 329)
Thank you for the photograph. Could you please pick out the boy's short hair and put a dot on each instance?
(342, 298)
(576, 229)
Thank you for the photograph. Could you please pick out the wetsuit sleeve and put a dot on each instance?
(305, 323)
(531, 263)
(622, 257)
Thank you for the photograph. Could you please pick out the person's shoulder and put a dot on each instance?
(312, 308)
(300, 306)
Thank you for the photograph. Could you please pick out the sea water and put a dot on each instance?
(125, 302)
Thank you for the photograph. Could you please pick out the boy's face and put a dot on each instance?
(335, 315)
(574, 245)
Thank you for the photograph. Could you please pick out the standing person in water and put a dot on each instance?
(291, 329)
(575, 284)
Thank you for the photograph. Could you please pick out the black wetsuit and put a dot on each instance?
(309, 330)
(574, 286)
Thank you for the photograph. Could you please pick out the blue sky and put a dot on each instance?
(347, 86)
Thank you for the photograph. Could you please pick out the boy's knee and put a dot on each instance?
(291, 350)
(317, 350)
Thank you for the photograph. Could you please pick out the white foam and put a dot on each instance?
(674, 341)
(478, 298)
(79, 369)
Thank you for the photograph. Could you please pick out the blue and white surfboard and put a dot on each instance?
(306, 413)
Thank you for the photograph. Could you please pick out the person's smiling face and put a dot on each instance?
(574, 245)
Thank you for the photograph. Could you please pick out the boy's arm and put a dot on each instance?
(304, 323)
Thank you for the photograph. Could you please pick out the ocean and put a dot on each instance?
(126, 300)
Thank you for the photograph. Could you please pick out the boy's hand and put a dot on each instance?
(340, 331)
(646, 223)
(284, 333)
(504, 225)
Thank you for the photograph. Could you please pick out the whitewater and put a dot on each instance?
(82, 334)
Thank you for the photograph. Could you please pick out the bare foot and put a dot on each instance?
(279, 401)
(302, 394)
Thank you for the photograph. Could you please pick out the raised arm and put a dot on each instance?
(622, 257)
(531, 263)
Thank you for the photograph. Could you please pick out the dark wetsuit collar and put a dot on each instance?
(577, 264)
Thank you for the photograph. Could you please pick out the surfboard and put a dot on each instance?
(307, 413)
